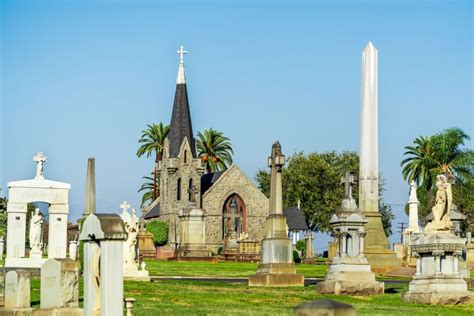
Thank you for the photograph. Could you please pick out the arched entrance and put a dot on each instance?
(234, 216)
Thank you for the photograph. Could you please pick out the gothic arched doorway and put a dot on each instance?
(234, 216)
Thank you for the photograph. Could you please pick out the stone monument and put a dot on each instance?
(39, 189)
(36, 234)
(413, 230)
(103, 236)
(60, 285)
(349, 272)
(377, 246)
(130, 255)
(193, 231)
(309, 256)
(276, 266)
(17, 289)
(437, 279)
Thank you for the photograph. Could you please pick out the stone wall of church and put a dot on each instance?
(184, 167)
(234, 181)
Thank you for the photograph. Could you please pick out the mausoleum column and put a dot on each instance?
(361, 242)
(456, 262)
(418, 264)
(344, 244)
(437, 263)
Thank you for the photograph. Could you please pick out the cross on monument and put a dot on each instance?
(40, 159)
(125, 206)
(348, 180)
(181, 52)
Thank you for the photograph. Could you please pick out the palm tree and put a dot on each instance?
(151, 142)
(215, 150)
(149, 187)
(441, 153)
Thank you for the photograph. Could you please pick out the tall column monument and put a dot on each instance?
(376, 245)
(276, 266)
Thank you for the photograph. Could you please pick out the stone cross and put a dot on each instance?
(40, 159)
(276, 162)
(232, 216)
(181, 52)
(348, 180)
(125, 206)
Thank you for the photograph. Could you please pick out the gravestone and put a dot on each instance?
(193, 231)
(17, 289)
(276, 266)
(59, 283)
(438, 279)
(349, 272)
(324, 308)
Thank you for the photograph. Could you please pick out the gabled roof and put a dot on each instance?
(209, 179)
(153, 212)
(295, 218)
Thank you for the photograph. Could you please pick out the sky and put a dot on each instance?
(82, 79)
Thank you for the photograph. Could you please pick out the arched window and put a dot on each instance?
(189, 187)
(178, 190)
(185, 156)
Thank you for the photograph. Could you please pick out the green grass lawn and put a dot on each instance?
(212, 298)
(221, 269)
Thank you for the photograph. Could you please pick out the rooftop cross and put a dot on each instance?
(125, 206)
(181, 52)
(40, 159)
(348, 180)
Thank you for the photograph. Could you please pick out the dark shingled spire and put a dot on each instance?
(181, 125)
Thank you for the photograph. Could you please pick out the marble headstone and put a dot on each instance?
(17, 289)
(59, 283)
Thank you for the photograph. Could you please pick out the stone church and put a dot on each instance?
(231, 200)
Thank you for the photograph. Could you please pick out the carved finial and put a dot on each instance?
(40, 159)
(181, 77)
(181, 52)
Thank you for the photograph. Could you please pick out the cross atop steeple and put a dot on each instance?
(181, 52)
(348, 180)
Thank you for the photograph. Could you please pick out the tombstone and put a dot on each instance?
(438, 279)
(309, 256)
(103, 236)
(17, 289)
(349, 272)
(39, 189)
(324, 308)
(276, 266)
(193, 231)
(59, 283)
(130, 253)
(73, 250)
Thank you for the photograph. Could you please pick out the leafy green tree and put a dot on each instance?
(214, 149)
(441, 153)
(152, 142)
(315, 180)
(159, 230)
(3, 217)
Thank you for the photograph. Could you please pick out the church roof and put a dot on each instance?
(295, 218)
(181, 125)
(208, 180)
(153, 212)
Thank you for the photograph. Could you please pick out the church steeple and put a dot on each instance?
(181, 126)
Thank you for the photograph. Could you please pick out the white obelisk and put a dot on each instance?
(413, 204)
(369, 165)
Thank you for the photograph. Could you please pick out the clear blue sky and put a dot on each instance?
(82, 79)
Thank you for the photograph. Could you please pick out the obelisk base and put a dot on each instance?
(276, 267)
(377, 247)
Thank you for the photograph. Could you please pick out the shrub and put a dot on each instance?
(296, 257)
(301, 247)
(159, 230)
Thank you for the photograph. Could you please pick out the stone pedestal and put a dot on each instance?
(470, 256)
(437, 280)
(146, 246)
(276, 267)
(59, 283)
(193, 233)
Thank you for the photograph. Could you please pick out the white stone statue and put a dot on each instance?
(132, 240)
(442, 208)
(36, 225)
(40, 159)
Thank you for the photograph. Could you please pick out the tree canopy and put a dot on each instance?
(214, 149)
(315, 180)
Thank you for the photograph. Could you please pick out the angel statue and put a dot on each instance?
(442, 208)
